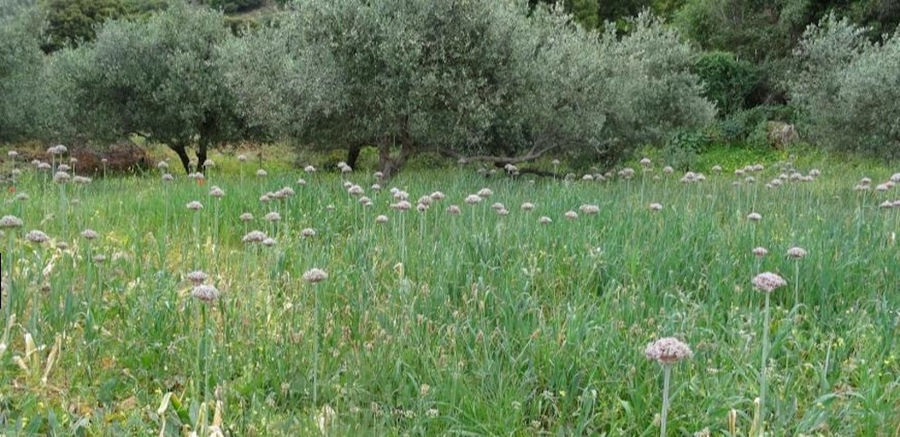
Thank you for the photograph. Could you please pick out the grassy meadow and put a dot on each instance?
(434, 323)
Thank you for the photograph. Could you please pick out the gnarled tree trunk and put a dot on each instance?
(390, 165)
(179, 149)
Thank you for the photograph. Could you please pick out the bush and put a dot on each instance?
(727, 81)
(651, 89)
(684, 146)
(74, 21)
(847, 89)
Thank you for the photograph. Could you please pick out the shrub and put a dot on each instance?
(847, 89)
(727, 81)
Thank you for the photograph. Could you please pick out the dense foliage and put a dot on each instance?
(508, 85)
(849, 88)
(590, 79)
(20, 64)
(159, 79)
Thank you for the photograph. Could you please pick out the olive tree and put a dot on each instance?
(158, 78)
(21, 61)
(848, 88)
(493, 81)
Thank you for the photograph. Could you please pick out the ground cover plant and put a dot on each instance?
(254, 299)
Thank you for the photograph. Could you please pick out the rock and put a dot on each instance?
(781, 134)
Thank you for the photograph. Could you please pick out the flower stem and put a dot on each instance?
(667, 373)
(762, 370)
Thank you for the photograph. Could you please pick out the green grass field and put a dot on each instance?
(442, 324)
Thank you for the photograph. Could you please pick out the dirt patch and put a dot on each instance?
(123, 157)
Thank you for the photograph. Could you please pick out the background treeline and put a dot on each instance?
(503, 81)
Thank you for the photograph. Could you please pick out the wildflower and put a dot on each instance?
(527, 206)
(376, 187)
(437, 195)
(768, 282)
(10, 221)
(315, 275)
(453, 209)
(99, 258)
(796, 252)
(81, 180)
(882, 187)
(626, 172)
(895, 178)
(656, 207)
(717, 169)
(197, 277)
(496, 206)
(544, 220)
(815, 172)
(587, 178)
(301, 182)
(760, 252)
(209, 163)
(254, 237)
(62, 245)
(645, 162)
(485, 193)
(61, 177)
(166, 177)
(36, 237)
(215, 191)
(43, 166)
(421, 207)
(242, 158)
(268, 242)
(473, 199)
(246, 217)
(194, 206)
(63, 167)
(589, 209)
(265, 198)
(754, 217)
(886, 204)
(355, 190)
(668, 169)
(89, 234)
(503, 212)
(571, 215)
(261, 173)
(272, 217)
(668, 350)
(555, 162)
(205, 293)
(12, 154)
(402, 205)
(308, 232)
(309, 169)
(381, 219)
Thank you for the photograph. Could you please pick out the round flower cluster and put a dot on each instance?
(768, 282)
(315, 275)
(668, 350)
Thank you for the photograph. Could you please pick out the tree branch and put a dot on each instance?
(502, 160)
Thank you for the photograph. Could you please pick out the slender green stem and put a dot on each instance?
(667, 373)
(762, 371)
